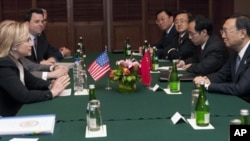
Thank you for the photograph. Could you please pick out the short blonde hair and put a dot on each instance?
(12, 33)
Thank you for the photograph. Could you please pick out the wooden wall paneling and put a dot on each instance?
(57, 35)
(14, 9)
(132, 30)
(220, 13)
(92, 37)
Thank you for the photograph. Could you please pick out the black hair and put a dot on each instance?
(201, 23)
(29, 13)
(168, 12)
(242, 21)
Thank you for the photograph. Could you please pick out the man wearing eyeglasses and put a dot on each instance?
(233, 78)
(210, 54)
(181, 47)
(165, 21)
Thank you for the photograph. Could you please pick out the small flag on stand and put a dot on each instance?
(145, 69)
(100, 66)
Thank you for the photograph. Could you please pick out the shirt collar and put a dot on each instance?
(243, 50)
(170, 28)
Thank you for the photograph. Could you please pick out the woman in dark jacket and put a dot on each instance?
(17, 85)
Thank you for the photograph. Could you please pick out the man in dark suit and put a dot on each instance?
(211, 54)
(42, 51)
(165, 21)
(233, 78)
(181, 47)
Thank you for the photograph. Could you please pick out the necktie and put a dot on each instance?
(179, 43)
(237, 63)
(166, 35)
(35, 46)
(201, 50)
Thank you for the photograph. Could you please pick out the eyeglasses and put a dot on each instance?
(180, 21)
(160, 20)
(192, 34)
(226, 32)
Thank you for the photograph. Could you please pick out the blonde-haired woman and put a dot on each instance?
(17, 85)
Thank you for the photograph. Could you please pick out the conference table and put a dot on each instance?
(143, 115)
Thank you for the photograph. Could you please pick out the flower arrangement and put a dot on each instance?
(127, 73)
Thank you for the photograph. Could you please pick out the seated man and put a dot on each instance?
(211, 53)
(181, 47)
(65, 52)
(165, 21)
(233, 78)
(42, 51)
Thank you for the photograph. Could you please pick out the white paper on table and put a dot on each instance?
(24, 139)
(167, 91)
(155, 88)
(94, 134)
(136, 54)
(27, 125)
(154, 71)
(192, 122)
(66, 64)
(177, 118)
(66, 92)
(83, 92)
(167, 68)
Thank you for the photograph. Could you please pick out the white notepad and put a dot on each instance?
(26, 125)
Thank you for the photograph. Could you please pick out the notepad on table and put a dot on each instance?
(27, 125)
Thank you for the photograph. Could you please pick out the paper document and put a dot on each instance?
(66, 64)
(26, 125)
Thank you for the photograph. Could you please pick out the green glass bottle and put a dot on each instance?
(92, 92)
(155, 61)
(174, 80)
(202, 110)
(127, 47)
(244, 113)
(91, 97)
(145, 47)
(82, 48)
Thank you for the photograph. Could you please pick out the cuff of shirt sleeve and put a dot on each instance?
(207, 85)
(171, 50)
(45, 75)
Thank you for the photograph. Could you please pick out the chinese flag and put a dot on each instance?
(145, 69)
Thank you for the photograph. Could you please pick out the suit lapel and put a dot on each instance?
(244, 63)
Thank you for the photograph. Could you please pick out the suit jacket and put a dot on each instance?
(211, 59)
(35, 68)
(165, 41)
(182, 50)
(44, 50)
(13, 94)
(228, 82)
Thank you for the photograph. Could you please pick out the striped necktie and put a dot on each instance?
(35, 46)
(237, 63)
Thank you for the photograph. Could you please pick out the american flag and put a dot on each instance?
(100, 66)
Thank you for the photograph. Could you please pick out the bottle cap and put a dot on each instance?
(91, 86)
(244, 112)
(235, 122)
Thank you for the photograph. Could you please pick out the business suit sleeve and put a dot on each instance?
(212, 58)
(35, 89)
(240, 88)
(35, 68)
(187, 49)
